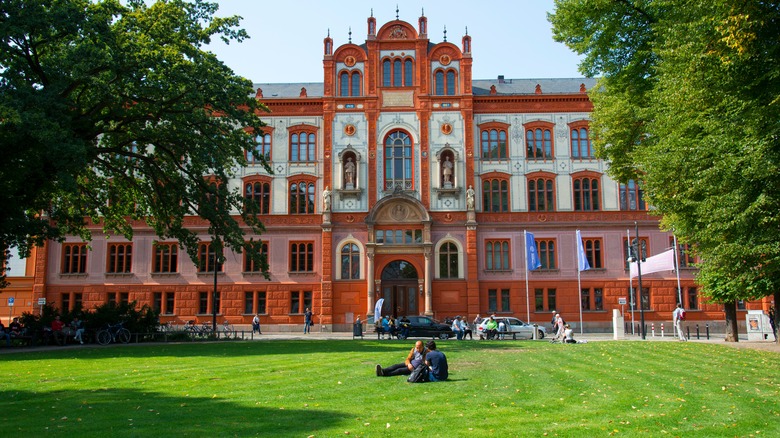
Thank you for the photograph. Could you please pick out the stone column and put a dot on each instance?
(370, 284)
(427, 283)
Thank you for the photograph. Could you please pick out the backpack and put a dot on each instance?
(419, 374)
(682, 315)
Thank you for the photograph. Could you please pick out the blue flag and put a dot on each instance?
(531, 255)
(582, 260)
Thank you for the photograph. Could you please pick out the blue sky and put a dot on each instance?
(510, 38)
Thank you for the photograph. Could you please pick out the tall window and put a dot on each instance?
(350, 262)
(251, 265)
(495, 195)
(300, 297)
(580, 143)
(593, 252)
(684, 254)
(693, 298)
(301, 257)
(254, 303)
(498, 300)
(626, 254)
(397, 72)
(349, 83)
(539, 296)
(539, 145)
(303, 147)
(494, 145)
(398, 161)
(165, 258)
(546, 251)
(541, 192)
(207, 258)
(74, 258)
(632, 197)
(301, 197)
(120, 258)
(259, 193)
(592, 299)
(497, 255)
(445, 82)
(448, 261)
(262, 148)
(586, 194)
(163, 302)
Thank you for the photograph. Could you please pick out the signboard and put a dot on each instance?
(41, 301)
(622, 301)
(10, 302)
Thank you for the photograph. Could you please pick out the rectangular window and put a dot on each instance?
(295, 302)
(645, 298)
(546, 251)
(249, 303)
(741, 305)
(66, 301)
(497, 255)
(598, 298)
(77, 301)
(74, 258)
(684, 254)
(165, 258)
(207, 258)
(307, 300)
(120, 258)
(261, 303)
(551, 304)
(492, 300)
(203, 303)
(693, 299)
(157, 302)
(111, 299)
(255, 265)
(627, 249)
(170, 301)
(301, 257)
(539, 300)
(593, 252)
(124, 298)
(585, 299)
(505, 300)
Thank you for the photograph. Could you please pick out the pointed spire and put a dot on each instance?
(467, 30)
(445, 33)
(350, 34)
(423, 12)
(372, 12)
(396, 11)
(328, 32)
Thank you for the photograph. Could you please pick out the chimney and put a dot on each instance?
(501, 79)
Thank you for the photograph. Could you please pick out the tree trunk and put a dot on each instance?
(776, 315)
(730, 309)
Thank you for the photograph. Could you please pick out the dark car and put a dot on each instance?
(426, 327)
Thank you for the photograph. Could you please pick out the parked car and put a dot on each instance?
(522, 330)
(426, 327)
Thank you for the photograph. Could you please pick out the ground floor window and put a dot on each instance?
(204, 301)
(254, 303)
(498, 301)
(592, 299)
(693, 299)
(297, 298)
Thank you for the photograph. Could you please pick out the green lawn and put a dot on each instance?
(328, 388)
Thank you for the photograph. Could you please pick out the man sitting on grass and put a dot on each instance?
(437, 363)
(414, 358)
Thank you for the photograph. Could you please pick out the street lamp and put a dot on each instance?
(214, 295)
(638, 251)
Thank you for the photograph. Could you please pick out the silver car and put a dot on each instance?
(520, 329)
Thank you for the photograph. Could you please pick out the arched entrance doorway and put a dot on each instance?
(400, 289)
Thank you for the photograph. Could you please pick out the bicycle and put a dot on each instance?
(113, 333)
(228, 329)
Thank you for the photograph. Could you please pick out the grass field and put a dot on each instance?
(328, 388)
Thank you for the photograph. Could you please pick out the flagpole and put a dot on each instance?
(579, 292)
(677, 269)
(630, 280)
(527, 297)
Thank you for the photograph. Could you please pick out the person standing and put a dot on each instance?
(307, 321)
(256, 325)
(436, 362)
(677, 318)
(415, 357)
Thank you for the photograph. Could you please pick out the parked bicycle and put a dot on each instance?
(193, 328)
(228, 329)
(113, 333)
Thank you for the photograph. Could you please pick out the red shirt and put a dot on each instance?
(56, 325)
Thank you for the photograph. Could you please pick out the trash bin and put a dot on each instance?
(357, 330)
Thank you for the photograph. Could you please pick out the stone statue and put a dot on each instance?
(470, 198)
(349, 173)
(447, 171)
(326, 199)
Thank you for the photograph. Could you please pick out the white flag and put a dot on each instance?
(657, 263)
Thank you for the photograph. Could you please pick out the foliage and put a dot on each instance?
(693, 108)
(328, 388)
(143, 320)
(112, 111)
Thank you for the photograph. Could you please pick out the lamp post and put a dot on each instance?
(638, 251)
(214, 296)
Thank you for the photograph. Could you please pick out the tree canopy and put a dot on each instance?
(115, 112)
(689, 103)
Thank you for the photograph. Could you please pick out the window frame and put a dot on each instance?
(398, 71)
(628, 190)
(406, 159)
(594, 251)
(503, 256)
(159, 256)
(589, 197)
(74, 262)
(308, 148)
(264, 148)
(208, 258)
(577, 127)
(301, 202)
(547, 140)
(548, 191)
(449, 258)
(486, 141)
(499, 188)
(251, 266)
(119, 262)
(545, 254)
(354, 265)
(263, 199)
(301, 257)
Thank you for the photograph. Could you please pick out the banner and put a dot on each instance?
(531, 255)
(657, 263)
(582, 259)
(378, 309)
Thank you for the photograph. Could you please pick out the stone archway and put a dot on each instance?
(399, 286)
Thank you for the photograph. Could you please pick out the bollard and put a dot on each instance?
(689, 332)
(708, 331)
(662, 330)
(697, 332)
(652, 328)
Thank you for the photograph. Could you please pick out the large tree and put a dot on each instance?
(113, 112)
(689, 103)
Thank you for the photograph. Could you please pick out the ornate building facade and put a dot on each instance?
(401, 177)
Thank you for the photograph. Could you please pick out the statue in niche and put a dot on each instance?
(470, 198)
(326, 199)
(349, 174)
(446, 168)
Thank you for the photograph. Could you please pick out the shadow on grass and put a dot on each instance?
(250, 348)
(126, 412)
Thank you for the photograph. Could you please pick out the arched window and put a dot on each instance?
(580, 143)
(632, 197)
(344, 84)
(408, 73)
(439, 83)
(398, 161)
(301, 197)
(349, 84)
(397, 72)
(494, 146)
(541, 191)
(450, 82)
(586, 194)
(495, 195)
(356, 84)
(258, 192)
(445, 83)
(387, 73)
(448, 261)
(302, 146)
(350, 262)
(497, 255)
(539, 143)
(262, 148)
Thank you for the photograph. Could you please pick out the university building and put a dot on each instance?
(400, 177)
